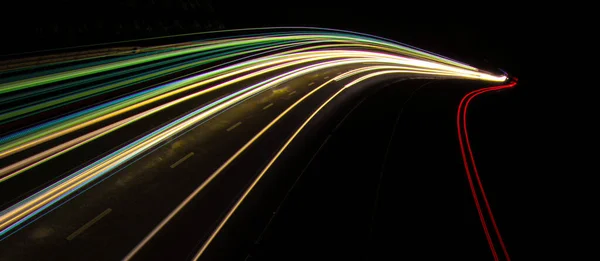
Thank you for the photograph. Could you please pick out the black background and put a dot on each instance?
(522, 132)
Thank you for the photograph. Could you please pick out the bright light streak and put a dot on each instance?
(292, 55)
(30, 140)
(62, 188)
(257, 136)
(469, 162)
(272, 161)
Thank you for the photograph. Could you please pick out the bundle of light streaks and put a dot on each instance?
(72, 105)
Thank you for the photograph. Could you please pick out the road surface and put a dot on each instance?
(244, 146)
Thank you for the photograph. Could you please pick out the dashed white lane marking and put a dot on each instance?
(311, 83)
(182, 160)
(266, 107)
(88, 224)
(234, 125)
(291, 93)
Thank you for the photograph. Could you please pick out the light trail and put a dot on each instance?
(469, 163)
(242, 67)
(43, 199)
(5, 173)
(251, 141)
(281, 150)
(225, 165)
(83, 122)
(40, 135)
(97, 90)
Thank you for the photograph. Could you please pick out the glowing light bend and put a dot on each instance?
(29, 141)
(272, 161)
(284, 52)
(469, 163)
(249, 143)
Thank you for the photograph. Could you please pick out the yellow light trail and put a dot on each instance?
(28, 142)
(5, 172)
(272, 161)
(30, 205)
(10, 171)
(251, 141)
(377, 58)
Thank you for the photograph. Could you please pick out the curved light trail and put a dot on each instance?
(287, 143)
(469, 163)
(46, 113)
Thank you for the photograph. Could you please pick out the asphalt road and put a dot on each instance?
(310, 167)
(378, 173)
(387, 182)
(130, 204)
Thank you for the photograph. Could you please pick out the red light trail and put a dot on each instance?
(469, 163)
